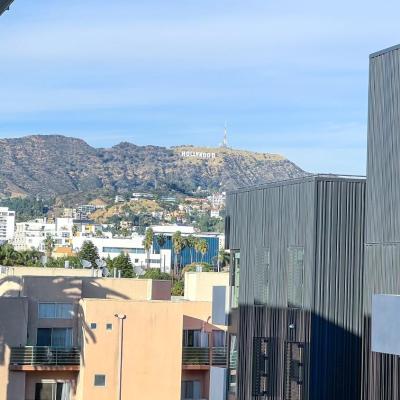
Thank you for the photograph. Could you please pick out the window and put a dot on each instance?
(93, 325)
(54, 337)
(99, 380)
(218, 338)
(295, 277)
(260, 366)
(261, 283)
(232, 381)
(53, 391)
(191, 390)
(195, 338)
(56, 310)
(109, 327)
(235, 278)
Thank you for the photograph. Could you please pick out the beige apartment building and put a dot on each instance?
(83, 337)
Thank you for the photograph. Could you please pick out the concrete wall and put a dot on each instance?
(199, 285)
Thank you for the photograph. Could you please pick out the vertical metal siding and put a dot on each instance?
(381, 373)
(326, 218)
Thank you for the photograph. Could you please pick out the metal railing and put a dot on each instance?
(196, 356)
(42, 355)
(218, 356)
(204, 356)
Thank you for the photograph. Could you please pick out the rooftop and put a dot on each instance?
(384, 51)
(306, 178)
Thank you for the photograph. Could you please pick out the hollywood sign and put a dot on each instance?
(198, 154)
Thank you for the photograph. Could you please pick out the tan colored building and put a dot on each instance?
(61, 339)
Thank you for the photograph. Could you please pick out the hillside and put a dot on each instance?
(57, 165)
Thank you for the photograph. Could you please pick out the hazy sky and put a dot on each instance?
(288, 76)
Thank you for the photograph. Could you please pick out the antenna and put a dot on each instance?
(225, 141)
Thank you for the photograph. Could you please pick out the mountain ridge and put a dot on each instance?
(56, 165)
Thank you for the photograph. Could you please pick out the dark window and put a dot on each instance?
(43, 337)
(261, 355)
(93, 325)
(99, 380)
(191, 390)
(109, 327)
(53, 391)
(195, 338)
(294, 370)
(295, 277)
(235, 277)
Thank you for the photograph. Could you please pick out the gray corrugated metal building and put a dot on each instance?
(298, 246)
(381, 373)
(4, 5)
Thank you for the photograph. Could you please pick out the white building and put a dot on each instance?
(217, 200)
(171, 229)
(113, 247)
(7, 224)
(31, 234)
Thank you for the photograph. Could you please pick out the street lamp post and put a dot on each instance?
(121, 318)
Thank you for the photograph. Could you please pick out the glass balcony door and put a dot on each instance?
(53, 391)
(54, 337)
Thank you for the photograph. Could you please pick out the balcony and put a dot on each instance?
(33, 358)
(203, 357)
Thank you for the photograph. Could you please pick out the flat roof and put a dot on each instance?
(384, 51)
(306, 178)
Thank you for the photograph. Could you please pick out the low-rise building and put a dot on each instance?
(7, 224)
(76, 337)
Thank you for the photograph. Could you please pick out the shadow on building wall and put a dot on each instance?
(309, 357)
(31, 290)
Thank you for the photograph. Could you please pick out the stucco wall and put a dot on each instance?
(152, 347)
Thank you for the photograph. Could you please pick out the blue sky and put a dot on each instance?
(289, 77)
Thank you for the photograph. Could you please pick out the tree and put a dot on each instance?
(203, 248)
(147, 243)
(223, 258)
(49, 245)
(161, 240)
(122, 263)
(89, 253)
(9, 256)
(190, 242)
(178, 245)
(178, 289)
(156, 274)
(74, 230)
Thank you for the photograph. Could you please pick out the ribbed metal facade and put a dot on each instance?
(4, 4)
(381, 373)
(308, 231)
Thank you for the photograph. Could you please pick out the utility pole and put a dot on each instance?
(121, 318)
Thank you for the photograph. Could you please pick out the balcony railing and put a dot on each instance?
(218, 355)
(204, 356)
(45, 356)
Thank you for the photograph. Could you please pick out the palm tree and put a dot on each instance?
(203, 248)
(223, 258)
(178, 245)
(197, 248)
(49, 245)
(147, 243)
(161, 240)
(190, 242)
